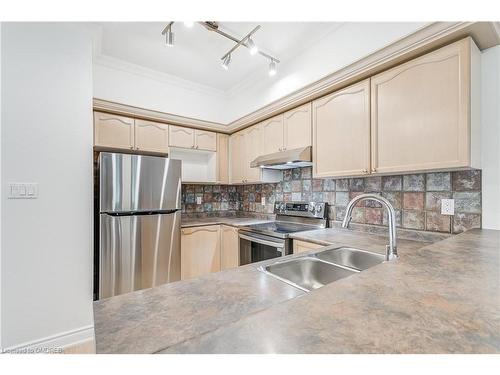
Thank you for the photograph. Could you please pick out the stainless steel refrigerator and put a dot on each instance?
(140, 217)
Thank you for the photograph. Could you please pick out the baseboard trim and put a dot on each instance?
(54, 343)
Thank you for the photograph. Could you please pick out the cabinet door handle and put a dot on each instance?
(374, 170)
(365, 170)
(279, 149)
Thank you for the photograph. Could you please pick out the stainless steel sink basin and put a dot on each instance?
(349, 257)
(307, 273)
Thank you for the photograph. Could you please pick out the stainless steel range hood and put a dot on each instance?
(299, 157)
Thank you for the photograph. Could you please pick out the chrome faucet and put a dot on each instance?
(391, 249)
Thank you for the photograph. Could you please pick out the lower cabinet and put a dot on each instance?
(208, 249)
(301, 246)
(229, 251)
(200, 251)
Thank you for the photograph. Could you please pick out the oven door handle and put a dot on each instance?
(277, 245)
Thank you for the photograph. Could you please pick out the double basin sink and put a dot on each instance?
(316, 270)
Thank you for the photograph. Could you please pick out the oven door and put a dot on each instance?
(255, 247)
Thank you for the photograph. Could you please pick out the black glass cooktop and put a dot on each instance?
(280, 228)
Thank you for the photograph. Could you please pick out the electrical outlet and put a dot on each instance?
(447, 207)
(263, 201)
(198, 200)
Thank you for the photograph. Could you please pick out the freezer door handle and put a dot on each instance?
(141, 213)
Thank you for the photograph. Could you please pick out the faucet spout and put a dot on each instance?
(391, 248)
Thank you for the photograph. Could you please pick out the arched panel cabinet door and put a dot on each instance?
(205, 140)
(151, 136)
(200, 251)
(113, 131)
(341, 132)
(236, 157)
(252, 137)
(272, 135)
(423, 113)
(297, 127)
(181, 137)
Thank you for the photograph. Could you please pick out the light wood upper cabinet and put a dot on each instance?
(151, 136)
(341, 132)
(297, 127)
(181, 137)
(200, 251)
(113, 131)
(422, 111)
(236, 157)
(302, 246)
(272, 135)
(252, 138)
(205, 140)
(230, 253)
(222, 158)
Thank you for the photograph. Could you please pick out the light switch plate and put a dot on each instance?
(23, 190)
(263, 201)
(198, 200)
(447, 207)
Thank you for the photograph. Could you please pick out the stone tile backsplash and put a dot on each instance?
(415, 197)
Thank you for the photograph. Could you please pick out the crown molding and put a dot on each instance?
(426, 39)
(169, 79)
(147, 114)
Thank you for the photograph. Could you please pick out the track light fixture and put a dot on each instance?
(226, 61)
(273, 67)
(169, 35)
(246, 41)
(169, 38)
(252, 47)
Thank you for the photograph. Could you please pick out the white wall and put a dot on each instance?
(46, 137)
(490, 145)
(131, 85)
(1, 184)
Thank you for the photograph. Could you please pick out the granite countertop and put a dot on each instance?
(341, 237)
(233, 221)
(441, 298)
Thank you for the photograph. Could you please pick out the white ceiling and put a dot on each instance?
(197, 53)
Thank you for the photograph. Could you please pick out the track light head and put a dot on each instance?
(169, 38)
(273, 67)
(226, 61)
(252, 47)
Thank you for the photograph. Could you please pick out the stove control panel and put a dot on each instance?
(304, 209)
